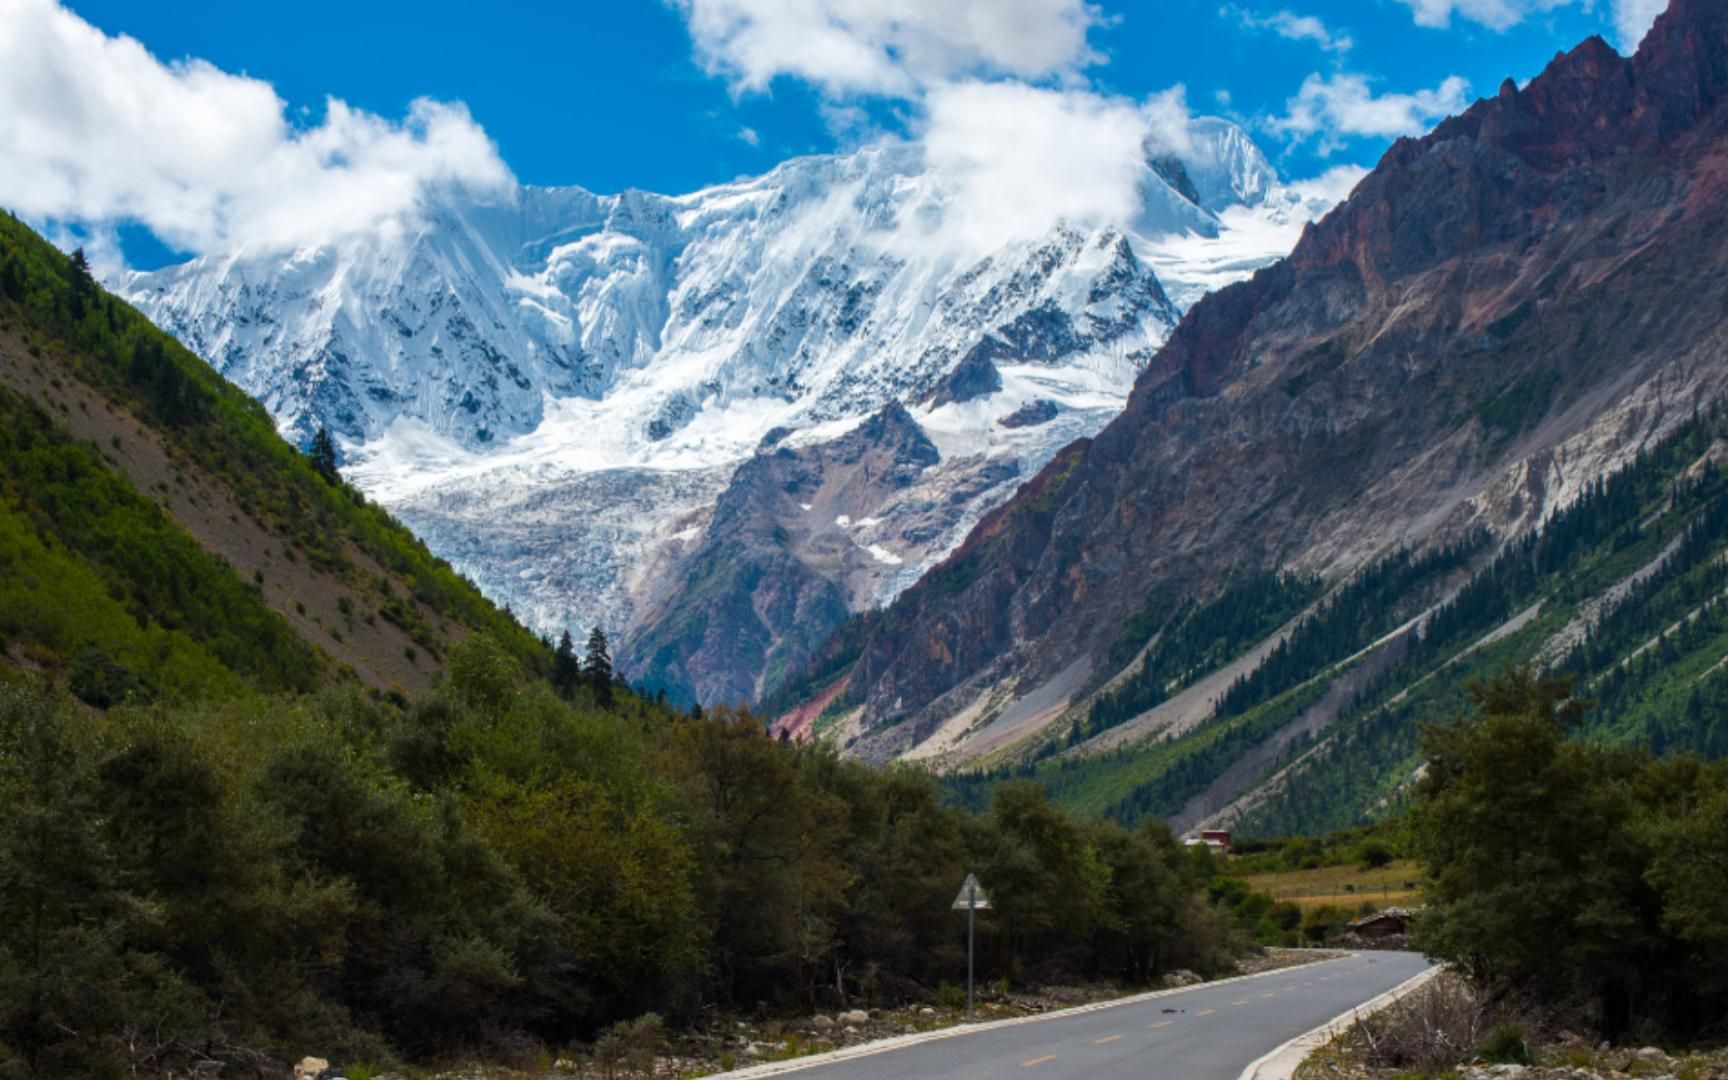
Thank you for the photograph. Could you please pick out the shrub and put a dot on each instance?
(99, 680)
(630, 1045)
(1373, 854)
(1506, 1045)
(1323, 923)
(1431, 1031)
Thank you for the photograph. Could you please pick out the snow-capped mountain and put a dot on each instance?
(555, 387)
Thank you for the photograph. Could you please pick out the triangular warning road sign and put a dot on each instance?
(971, 896)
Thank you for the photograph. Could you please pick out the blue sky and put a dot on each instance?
(636, 93)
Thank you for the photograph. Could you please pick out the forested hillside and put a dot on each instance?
(155, 524)
(1626, 590)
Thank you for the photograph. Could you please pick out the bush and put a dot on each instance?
(1431, 1032)
(1506, 1045)
(1324, 923)
(1285, 915)
(631, 1046)
(1373, 854)
(100, 681)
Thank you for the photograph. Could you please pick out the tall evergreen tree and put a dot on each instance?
(566, 669)
(324, 456)
(83, 283)
(597, 666)
(82, 279)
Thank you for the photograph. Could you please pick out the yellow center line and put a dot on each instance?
(1037, 1061)
(1205, 1012)
(1105, 1039)
(1159, 1024)
(1268, 994)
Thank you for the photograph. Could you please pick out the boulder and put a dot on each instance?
(312, 1068)
(821, 1023)
(856, 1016)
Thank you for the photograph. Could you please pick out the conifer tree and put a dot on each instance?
(324, 456)
(566, 669)
(82, 278)
(597, 666)
(83, 283)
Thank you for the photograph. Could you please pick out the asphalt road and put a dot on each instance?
(1207, 1032)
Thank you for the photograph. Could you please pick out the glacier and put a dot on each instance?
(554, 387)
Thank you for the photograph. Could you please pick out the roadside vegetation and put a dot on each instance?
(495, 869)
(1446, 1030)
(1583, 876)
(1573, 887)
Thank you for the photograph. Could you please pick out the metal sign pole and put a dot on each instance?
(971, 898)
(971, 914)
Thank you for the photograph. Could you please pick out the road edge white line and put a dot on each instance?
(1282, 1063)
(900, 1042)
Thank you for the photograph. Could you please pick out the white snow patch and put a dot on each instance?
(883, 555)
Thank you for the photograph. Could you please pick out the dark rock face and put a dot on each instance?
(1563, 249)
(765, 583)
(972, 378)
(1031, 414)
(1171, 170)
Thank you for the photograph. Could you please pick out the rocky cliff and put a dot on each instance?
(1502, 312)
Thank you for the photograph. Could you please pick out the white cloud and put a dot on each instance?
(1014, 160)
(887, 47)
(1329, 188)
(97, 130)
(1632, 18)
(1343, 106)
(1294, 27)
(991, 89)
(1495, 14)
(749, 136)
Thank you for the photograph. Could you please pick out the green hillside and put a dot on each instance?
(153, 522)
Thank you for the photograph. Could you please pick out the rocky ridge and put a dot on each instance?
(1490, 323)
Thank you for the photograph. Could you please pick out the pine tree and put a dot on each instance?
(82, 279)
(566, 669)
(83, 283)
(324, 456)
(597, 666)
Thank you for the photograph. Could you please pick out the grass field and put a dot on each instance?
(1391, 885)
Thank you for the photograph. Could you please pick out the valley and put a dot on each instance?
(458, 625)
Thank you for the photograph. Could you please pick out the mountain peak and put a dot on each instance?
(1682, 65)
